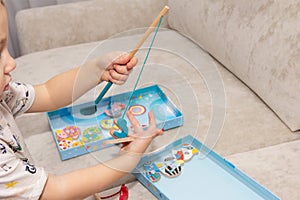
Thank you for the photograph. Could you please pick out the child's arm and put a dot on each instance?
(66, 87)
(82, 183)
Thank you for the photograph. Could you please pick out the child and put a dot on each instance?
(19, 178)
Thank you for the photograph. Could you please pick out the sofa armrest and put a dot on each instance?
(74, 23)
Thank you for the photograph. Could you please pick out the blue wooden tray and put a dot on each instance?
(205, 176)
(77, 133)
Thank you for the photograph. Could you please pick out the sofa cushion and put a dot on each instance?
(275, 167)
(256, 40)
(68, 24)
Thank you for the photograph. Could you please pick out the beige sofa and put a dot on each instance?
(231, 67)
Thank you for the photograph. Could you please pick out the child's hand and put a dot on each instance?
(118, 67)
(142, 138)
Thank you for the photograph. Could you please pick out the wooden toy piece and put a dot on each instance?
(73, 131)
(107, 123)
(115, 110)
(118, 140)
(91, 134)
(65, 144)
(120, 134)
(189, 151)
(123, 131)
(152, 172)
(69, 132)
(185, 153)
(137, 110)
(170, 167)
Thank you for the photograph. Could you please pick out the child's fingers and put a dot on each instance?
(122, 59)
(134, 122)
(160, 131)
(132, 63)
(152, 124)
(151, 119)
(121, 69)
(118, 76)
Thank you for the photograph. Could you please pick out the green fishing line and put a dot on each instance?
(144, 63)
(122, 123)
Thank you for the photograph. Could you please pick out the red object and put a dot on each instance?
(179, 155)
(123, 193)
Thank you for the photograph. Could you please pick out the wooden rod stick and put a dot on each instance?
(136, 48)
(118, 140)
(149, 30)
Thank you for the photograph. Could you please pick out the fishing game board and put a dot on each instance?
(187, 169)
(77, 132)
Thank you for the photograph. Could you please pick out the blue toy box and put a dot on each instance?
(77, 132)
(187, 169)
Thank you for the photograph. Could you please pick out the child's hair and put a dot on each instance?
(2, 2)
